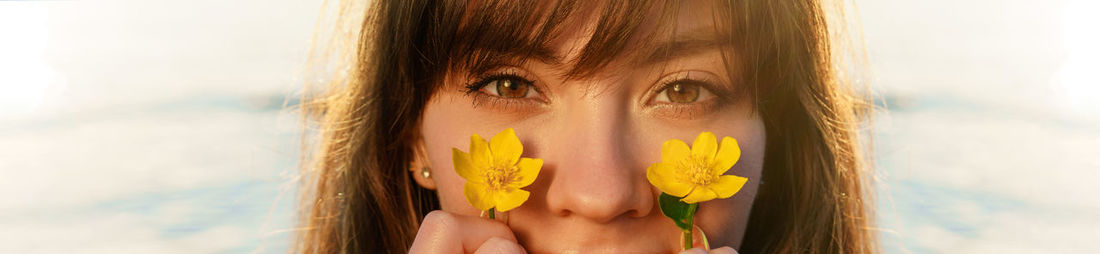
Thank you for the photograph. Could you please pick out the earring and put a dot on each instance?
(426, 172)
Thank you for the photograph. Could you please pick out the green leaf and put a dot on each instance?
(681, 213)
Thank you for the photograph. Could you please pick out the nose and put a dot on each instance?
(597, 176)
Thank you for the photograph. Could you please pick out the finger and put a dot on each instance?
(443, 232)
(723, 250)
(694, 251)
(497, 245)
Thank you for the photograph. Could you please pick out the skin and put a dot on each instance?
(597, 135)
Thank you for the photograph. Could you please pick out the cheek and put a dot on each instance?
(444, 127)
(725, 220)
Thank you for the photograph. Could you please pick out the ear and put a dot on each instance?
(419, 164)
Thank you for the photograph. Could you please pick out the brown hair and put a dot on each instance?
(358, 196)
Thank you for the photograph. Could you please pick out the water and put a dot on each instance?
(159, 127)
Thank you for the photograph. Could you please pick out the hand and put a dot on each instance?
(443, 232)
(723, 250)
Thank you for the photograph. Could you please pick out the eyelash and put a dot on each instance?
(479, 97)
(694, 109)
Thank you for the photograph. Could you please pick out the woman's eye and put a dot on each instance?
(508, 87)
(683, 92)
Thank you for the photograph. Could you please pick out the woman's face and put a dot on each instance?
(598, 134)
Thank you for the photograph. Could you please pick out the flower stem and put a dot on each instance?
(492, 213)
(689, 241)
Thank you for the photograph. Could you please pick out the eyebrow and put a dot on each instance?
(492, 58)
(681, 47)
(545, 55)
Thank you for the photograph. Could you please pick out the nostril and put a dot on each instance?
(635, 214)
(565, 213)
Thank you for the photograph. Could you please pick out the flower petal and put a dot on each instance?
(506, 148)
(662, 175)
(728, 185)
(528, 170)
(728, 154)
(699, 194)
(674, 151)
(510, 199)
(705, 146)
(464, 166)
(478, 196)
(480, 156)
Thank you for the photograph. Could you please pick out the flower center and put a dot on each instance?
(499, 177)
(697, 171)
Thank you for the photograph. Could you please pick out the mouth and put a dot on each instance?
(652, 234)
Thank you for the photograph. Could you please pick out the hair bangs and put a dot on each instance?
(482, 35)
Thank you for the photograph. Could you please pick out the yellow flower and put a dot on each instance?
(494, 171)
(695, 174)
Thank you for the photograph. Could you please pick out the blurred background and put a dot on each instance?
(152, 126)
